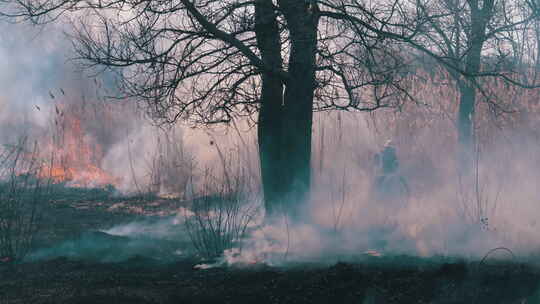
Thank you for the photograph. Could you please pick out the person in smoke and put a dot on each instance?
(389, 183)
(390, 195)
(387, 159)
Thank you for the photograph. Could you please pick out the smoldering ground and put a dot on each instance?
(160, 240)
(444, 214)
(46, 97)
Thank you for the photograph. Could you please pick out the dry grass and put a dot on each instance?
(220, 216)
(21, 196)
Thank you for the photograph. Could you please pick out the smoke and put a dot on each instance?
(444, 213)
(496, 205)
(45, 96)
(29, 67)
(105, 247)
(167, 229)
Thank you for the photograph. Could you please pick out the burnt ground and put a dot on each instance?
(145, 278)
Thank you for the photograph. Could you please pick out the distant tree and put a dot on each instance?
(212, 61)
(478, 39)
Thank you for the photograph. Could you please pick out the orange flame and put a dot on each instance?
(75, 157)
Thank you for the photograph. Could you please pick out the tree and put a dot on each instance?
(475, 39)
(212, 61)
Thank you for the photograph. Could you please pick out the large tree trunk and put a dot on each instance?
(298, 100)
(285, 121)
(465, 126)
(467, 102)
(480, 16)
(270, 142)
(269, 126)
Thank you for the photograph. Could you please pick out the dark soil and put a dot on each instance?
(146, 279)
(142, 280)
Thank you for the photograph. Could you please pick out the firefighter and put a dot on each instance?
(386, 161)
(388, 181)
(389, 162)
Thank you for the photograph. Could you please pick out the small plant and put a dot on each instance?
(478, 203)
(219, 217)
(22, 190)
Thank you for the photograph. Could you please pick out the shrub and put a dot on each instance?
(22, 191)
(219, 217)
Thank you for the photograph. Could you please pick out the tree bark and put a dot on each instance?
(302, 22)
(465, 126)
(269, 128)
(467, 101)
(467, 87)
(285, 120)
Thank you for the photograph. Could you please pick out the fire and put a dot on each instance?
(57, 174)
(73, 155)
(88, 175)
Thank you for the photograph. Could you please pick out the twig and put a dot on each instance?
(492, 251)
(131, 167)
(286, 255)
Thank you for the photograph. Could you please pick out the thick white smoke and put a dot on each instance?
(445, 214)
(40, 86)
